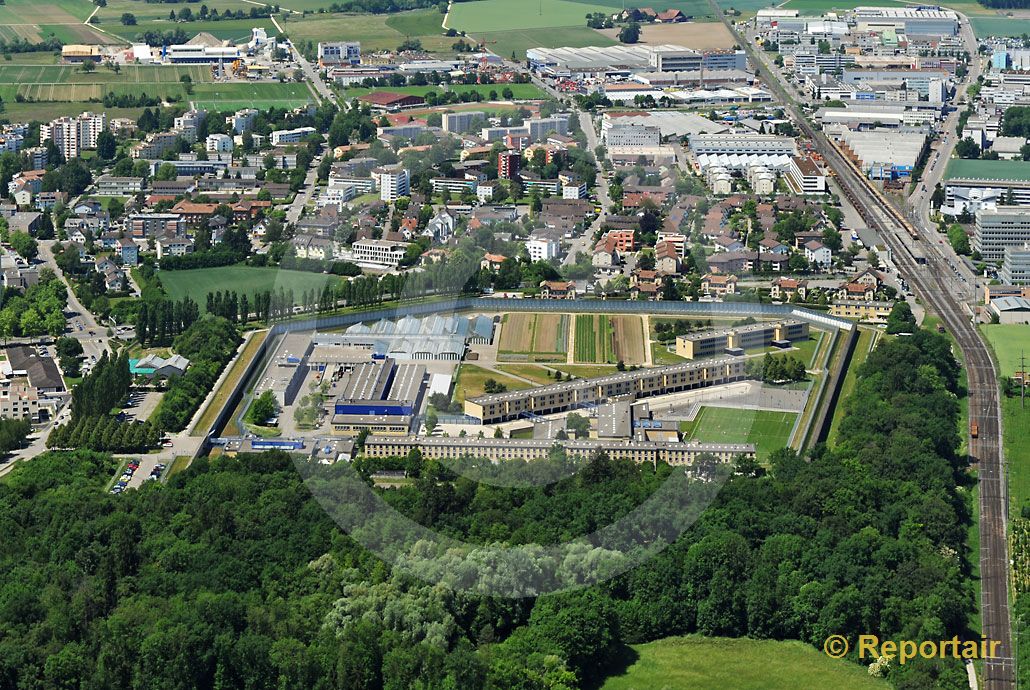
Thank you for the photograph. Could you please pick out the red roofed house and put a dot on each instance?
(192, 213)
(557, 289)
(620, 240)
(671, 17)
(718, 285)
(388, 100)
(784, 289)
(492, 261)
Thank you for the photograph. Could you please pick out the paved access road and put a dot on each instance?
(933, 284)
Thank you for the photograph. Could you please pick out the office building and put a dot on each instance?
(1015, 266)
(379, 252)
(632, 135)
(339, 53)
(999, 228)
(744, 144)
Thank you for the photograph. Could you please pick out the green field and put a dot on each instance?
(375, 31)
(987, 169)
(1009, 341)
(38, 21)
(817, 7)
(861, 353)
(768, 430)
(737, 664)
(471, 381)
(506, 43)
(593, 339)
(65, 83)
(522, 92)
(236, 30)
(247, 280)
(262, 95)
(497, 15)
(999, 26)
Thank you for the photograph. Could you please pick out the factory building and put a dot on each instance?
(498, 450)
(737, 340)
(630, 385)
(922, 21)
(745, 144)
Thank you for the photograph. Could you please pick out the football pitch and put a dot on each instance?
(768, 430)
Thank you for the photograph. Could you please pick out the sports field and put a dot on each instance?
(767, 429)
(261, 95)
(375, 31)
(245, 280)
(737, 664)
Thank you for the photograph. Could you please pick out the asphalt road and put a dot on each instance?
(78, 316)
(931, 282)
(584, 243)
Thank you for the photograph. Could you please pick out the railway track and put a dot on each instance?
(928, 269)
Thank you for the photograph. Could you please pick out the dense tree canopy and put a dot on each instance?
(231, 575)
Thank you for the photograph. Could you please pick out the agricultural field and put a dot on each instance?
(602, 339)
(534, 337)
(699, 36)
(533, 372)
(520, 92)
(517, 42)
(999, 26)
(249, 280)
(375, 31)
(817, 7)
(65, 83)
(736, 664)
(236, 30)
(768, 430)
(497, 15)
(593, 339)
(36, 22)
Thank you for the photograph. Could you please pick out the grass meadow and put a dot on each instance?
(768, 430)
(248, 280)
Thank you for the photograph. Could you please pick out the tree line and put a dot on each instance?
(160, 320)
(100, 392)
(106, 433)
(209, 344)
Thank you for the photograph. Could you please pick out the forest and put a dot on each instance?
(232, 576)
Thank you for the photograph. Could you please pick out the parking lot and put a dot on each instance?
(137, 472)
(140, 406)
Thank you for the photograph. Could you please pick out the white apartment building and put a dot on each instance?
(393, 183)
(804, 176)
(242, 120)
(996, 229)
(379, 252)
(218, 143)
(633, 135)
(72, 135)
(542, 248)
(291, 136)
(186, 125)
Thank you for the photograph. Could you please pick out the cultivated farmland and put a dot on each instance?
(375, 31)
(534, 337)
(628, 336)
(594, 339)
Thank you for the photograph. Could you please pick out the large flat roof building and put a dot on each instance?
(1000, 228)
(712, 343)
(501, 449)
(629, 385)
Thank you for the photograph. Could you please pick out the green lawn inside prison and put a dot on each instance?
(769, 430)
